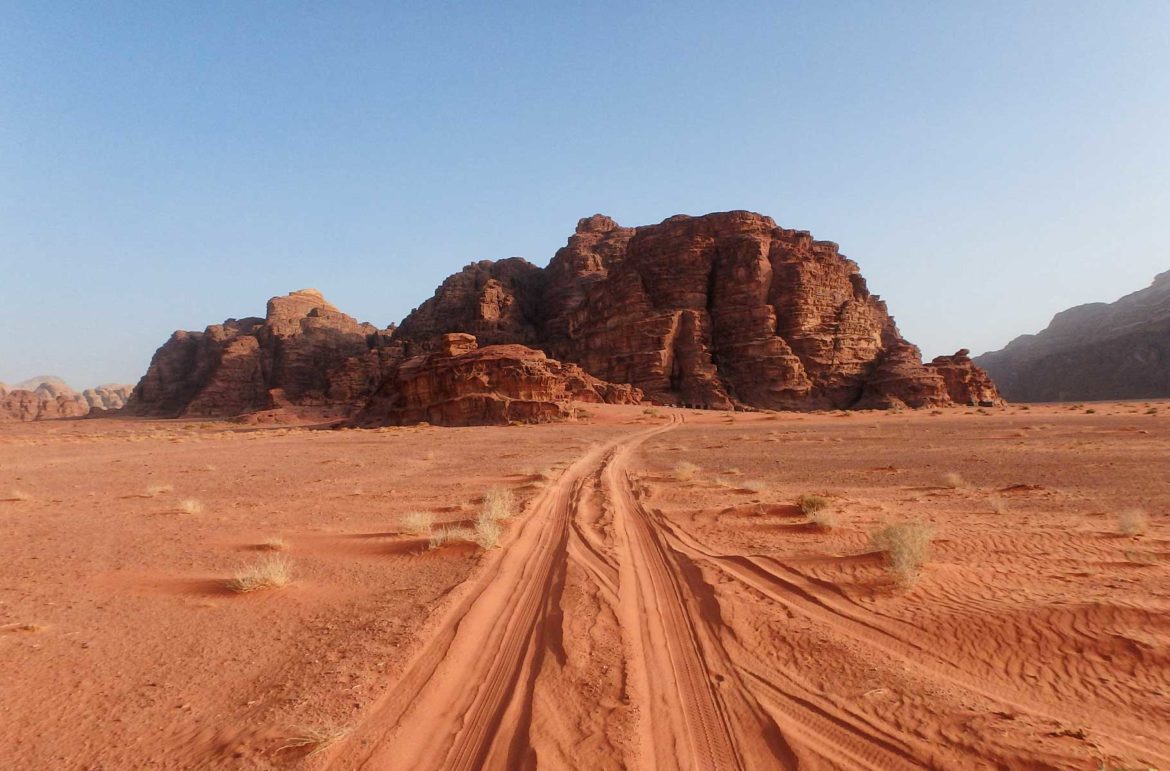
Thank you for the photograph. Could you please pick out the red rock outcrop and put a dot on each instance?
(462, 385)
(965, 382)
(715, 311)
(48, 398)
(304, 352)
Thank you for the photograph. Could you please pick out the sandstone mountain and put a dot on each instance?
(721, 311)
(303, 352)
(1117, 350)
(464, 385)
(714, 311)
(47, 397)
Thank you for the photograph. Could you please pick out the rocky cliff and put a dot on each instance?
(47, 398)
(461, 384)
(303, 352)
(715, 311)
(1117, 350)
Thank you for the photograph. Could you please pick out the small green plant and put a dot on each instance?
(418, 522)
(271, 573)
(1132, 522)
(811, 504)
(906, 546)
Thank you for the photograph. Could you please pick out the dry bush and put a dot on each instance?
(811, 504)
(997, 504)
(153, 491)
(440, 537)
(270, 573)
(906, 546)
(487, 532)
(418, 522)
(498, 504)
(191, 506)
(684, 471)
(652, 412)
(954, 480)
(755, 485)
(1132, 522)
(319, 738)
(823, 519)
(273, 544)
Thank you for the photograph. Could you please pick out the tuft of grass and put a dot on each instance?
(270, 573)
(1132, 522)
(153, 491)
(440, 537)
(684, 471)
(811, 504)
(418, 522)
(823, 519)
(498, 504)
(954, 480)
(191, 506)
(18, 495)
(906, 546)
(318, 738)
(652, 412)
(487, 532)
(997, 504)
(273, 544)
(755, 485)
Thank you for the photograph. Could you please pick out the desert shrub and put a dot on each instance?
(418, 522)
(1090, 411)
(811, 504)
(684, 471)
(997, 504)
(755, 485)
(271, 573)
(498, 504)
(191, 506)
(273, 544)
(652, 412)
(823, 519)
(154, 491)
(1132, 522)
(18, 495)
(906, 546)
(954, 480)
(487, 532)
(315, 739)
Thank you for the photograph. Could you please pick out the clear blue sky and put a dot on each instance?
(168, 165)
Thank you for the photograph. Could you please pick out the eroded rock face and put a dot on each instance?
(1117, 350)
(462, 385)
(49, 398)
(304, 352)
(715, 311)
(964, 381)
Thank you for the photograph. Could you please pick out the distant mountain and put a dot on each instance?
(1117, 350)
(46, 397)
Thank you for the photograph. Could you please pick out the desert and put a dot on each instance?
(657, 596)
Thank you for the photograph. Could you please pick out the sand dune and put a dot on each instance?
(631, 617)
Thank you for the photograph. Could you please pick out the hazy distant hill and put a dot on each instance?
(1117, 350)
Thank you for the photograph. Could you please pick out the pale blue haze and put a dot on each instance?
(168, 165)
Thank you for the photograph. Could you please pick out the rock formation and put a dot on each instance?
(303, 352)
(463, 385)
(1117, 350)
(47, 398)
(715, 311)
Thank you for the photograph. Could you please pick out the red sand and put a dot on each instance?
(629, 619)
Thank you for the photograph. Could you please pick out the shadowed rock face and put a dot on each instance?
(462, 385)
(1117, 350)
(303, 352)
(714, 311)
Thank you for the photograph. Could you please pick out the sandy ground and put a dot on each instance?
(634, 615)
